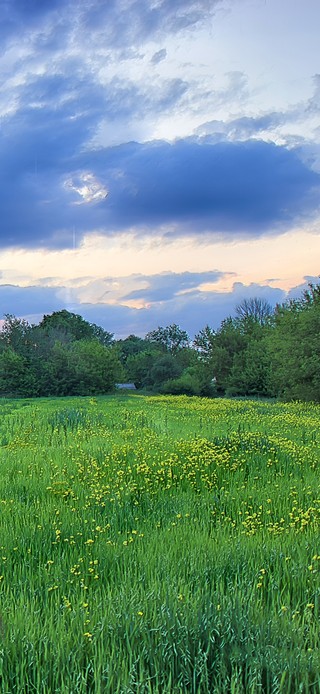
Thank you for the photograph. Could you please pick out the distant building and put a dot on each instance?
(125, 386)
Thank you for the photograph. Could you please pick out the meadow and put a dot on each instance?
(159, 545)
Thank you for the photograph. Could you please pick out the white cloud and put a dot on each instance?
(88, 188)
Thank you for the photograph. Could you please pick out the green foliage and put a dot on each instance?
(264, 354)
(187, 384)
(15, 376)
(163, 369)
(228, 342)
(16, 334)
(96, 367)
(139, 366)
(84, 368)
(63, 355)
(171, 339)
(195, 380)
(259, 352)
(295, 350)
(131, 346)
(204, 341)
(74, 327)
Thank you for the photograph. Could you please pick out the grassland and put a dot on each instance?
(159, 545)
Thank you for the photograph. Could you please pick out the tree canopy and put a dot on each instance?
(63, 355)
(258, 352)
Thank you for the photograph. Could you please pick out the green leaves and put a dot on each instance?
(259, 352)
(64, 355)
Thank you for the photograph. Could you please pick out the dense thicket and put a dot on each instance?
(267, 353)
(63, 355)
(259, 352)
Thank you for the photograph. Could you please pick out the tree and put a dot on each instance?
(139, 366)
(103, 336)
(83, 368)
(97, 368)
(58, 376)
(259, 310)
(171, 339)
(294, 347)
(130, 346)
(251, 372)
(163, 369)
(204, 341)
(186, 384)
(228, 341)
(16, 378)
(63, 355)
(195, 380)
(74, 327)
(16, 333)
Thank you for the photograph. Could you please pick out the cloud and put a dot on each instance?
(242, 128)
(283, 125)
(159, 56)
(131, 22)
(21, 14)
(201, 308)
(189, 186)
(67, 93)
(234, 188)
(26, 301)
(167, 285)
(313, 106)
(297, 292)
(191, 310)
(127, 99)
(116, 24)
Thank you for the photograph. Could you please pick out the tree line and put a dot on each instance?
(260, 351)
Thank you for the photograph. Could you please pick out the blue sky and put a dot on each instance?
(160, 160)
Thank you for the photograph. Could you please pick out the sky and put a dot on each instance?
(159, 159)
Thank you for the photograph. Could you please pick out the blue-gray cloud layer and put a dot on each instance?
(192, 310)
(168, 285)
(230, 187)
(244, 188)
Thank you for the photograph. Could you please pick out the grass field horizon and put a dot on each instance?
(159, 545)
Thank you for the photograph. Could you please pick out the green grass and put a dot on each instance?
(159, 545)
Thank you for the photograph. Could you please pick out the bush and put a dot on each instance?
(186, 384)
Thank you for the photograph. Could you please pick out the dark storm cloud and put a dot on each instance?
(245, 187)
(239, 188)
(36, 146)
(39, 148)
